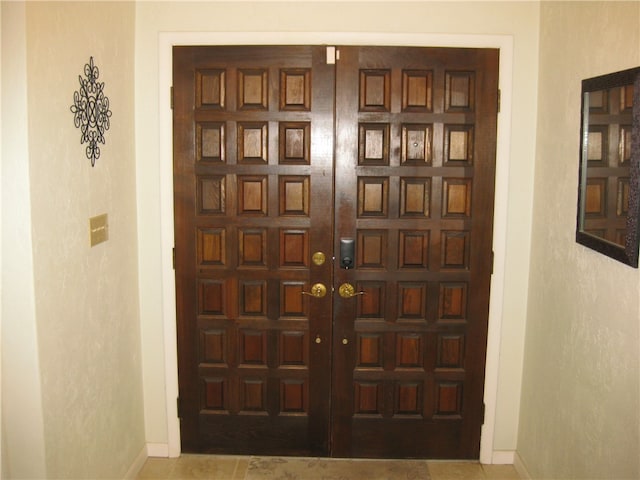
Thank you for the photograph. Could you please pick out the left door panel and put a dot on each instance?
(253, 196)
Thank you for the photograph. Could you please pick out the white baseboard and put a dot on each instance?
(503, 457)
(521, 467)
(158, 450)
(137, 464)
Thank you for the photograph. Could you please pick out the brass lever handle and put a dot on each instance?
(346, 290)
(318, 290)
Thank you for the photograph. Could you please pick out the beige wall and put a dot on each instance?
(22, 422)
(85, 299)
(516, 20)
(580, 397)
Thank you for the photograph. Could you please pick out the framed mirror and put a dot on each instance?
(608, 190)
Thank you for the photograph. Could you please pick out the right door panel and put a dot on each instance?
(414, 189)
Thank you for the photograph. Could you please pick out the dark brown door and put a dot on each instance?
(253, 181)
(280, 159)
(415, 159)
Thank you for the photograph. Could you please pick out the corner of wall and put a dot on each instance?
(137, 464)
(23, 446)
(521, 468)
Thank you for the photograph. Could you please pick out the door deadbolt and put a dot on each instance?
(347, 253)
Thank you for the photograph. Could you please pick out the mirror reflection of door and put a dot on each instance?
(608, 155)
(280, 158)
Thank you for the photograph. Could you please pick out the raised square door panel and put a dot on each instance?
(210, 91)
(210, 142)
(295, 142)
(253, 142)
(252, 247)
(214, 346)
(460, 91)
(371, 249)
(212, 250)
(211, 195)
(417, 144)
(375, 90)
(459, 144)
(292, 301)
(295, 89)
(253, 93)
(417, 91)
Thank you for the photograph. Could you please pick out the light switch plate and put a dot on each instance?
(98, 229)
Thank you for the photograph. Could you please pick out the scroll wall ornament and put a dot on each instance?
(91, 111)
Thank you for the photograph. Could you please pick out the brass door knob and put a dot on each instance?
(318, 290)
(318, 258)
(346, 290)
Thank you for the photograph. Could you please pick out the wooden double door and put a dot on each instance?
(333, 226)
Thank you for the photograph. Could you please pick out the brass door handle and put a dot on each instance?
(346, 290)
(318, 290)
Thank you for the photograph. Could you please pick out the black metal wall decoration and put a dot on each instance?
(91, 111)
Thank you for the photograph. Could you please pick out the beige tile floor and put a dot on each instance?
(214, 467)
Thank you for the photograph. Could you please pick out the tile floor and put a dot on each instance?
(214, 467)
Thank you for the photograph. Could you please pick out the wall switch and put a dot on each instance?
(99, 229)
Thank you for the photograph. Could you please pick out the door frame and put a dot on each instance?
(167, 40)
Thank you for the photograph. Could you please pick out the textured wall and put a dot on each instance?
(580, 397)
(516, 19)
(86, 299)
(22, 430)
